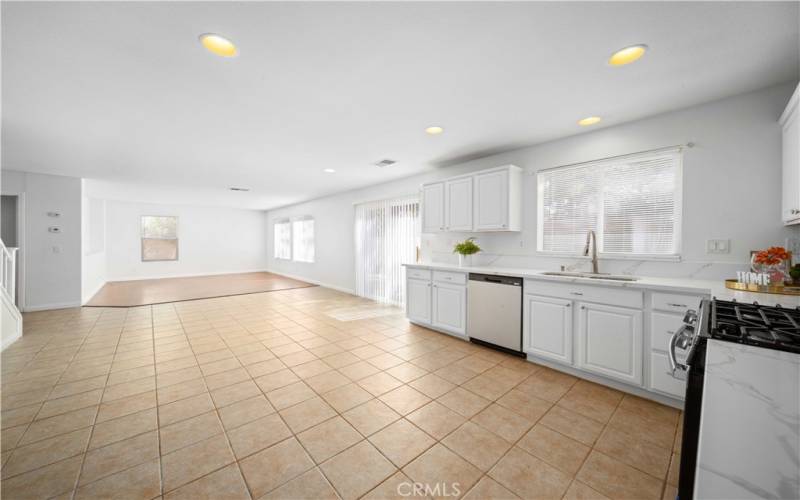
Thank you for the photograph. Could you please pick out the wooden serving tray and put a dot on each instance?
(776, 289)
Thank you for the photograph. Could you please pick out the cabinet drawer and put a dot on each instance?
(416, 273)
(662, 380)
(675, 302)
(662, 326)
(587, 293)
(449, 277)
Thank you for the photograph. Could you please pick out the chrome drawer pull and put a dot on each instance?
(576, 293)
(676, 305)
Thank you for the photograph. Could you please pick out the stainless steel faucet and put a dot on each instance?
(591, 239)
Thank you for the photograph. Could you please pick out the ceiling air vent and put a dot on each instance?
(386, 162)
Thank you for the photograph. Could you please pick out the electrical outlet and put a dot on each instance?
(718, 246)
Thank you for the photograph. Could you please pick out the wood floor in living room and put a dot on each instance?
(270, 395)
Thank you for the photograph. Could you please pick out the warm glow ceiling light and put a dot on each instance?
(434, 130)
(627, 55)
(329, 171)
(218, 44)
(591, 120)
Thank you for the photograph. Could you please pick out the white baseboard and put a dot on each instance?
(47, 307)
(314, 282)
(160, 276)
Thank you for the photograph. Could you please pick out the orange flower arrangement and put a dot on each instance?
(771, 256)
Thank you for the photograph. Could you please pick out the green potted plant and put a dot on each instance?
(465, 249)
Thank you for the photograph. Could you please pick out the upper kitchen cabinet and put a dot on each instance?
(791, 160)
(489, 200)
(458, 204)
(433, 208)
(497, 199)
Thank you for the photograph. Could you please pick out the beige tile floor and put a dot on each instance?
(267, 395)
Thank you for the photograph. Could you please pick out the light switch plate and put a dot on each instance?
(718, 246)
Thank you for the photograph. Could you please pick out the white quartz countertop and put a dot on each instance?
(715, 288)
(750, 424)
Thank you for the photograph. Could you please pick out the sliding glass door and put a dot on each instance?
(387, 235)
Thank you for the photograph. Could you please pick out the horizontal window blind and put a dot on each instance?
(387, 235)
(632, 203)
(303, 240)
(282, 238)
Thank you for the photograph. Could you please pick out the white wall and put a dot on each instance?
(732, 186)
(93, 226)
(52, 261)
(211, 240)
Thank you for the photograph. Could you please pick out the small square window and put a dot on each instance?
(159, 238)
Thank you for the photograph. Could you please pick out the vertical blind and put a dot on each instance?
(633, 204)
(303, 240)
(283, 239)
(387, 235)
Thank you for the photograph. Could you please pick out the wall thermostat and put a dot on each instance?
(54, 229)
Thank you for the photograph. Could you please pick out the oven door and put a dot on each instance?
(693, 403)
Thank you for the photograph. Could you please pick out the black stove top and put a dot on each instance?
(773, 327)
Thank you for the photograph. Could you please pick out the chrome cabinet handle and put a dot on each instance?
(575, 293)
(676, 305)
(569, 305)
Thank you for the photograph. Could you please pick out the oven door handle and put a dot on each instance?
(680, 333)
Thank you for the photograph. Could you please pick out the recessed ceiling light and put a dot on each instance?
(329, 171)
(590, 120)
(627, 55)
(434, 130)
(218, 44)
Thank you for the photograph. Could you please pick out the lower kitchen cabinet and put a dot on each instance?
(610, 341)
(450, 307)
(548, 327)
(661, 378)
(418, 300)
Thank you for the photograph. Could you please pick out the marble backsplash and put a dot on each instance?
(655, 268)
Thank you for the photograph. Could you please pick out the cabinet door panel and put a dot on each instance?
(548, 327)
(661, 379)
(418, 300)
(433, 208)
(491, 201)
(450, 307)
(610, 341)
(791, 167)
(458, 205)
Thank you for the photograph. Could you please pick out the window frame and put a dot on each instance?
(142, 238)
(605, 162)
(275, 240)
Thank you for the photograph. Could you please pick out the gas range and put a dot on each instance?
(753, 326)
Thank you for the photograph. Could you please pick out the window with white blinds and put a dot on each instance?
(303, 240)
(387, 235)
(632, 203)
(282, 237)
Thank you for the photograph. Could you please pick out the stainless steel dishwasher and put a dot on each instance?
(494, 311)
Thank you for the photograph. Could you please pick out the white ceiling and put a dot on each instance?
(125, 92)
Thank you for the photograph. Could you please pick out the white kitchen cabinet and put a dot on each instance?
(433, 218)
(548, 327)
(458, 204)
(450, 307)
(418, 300)
(497, 200)
(790, 123)
(489, 200)
(661, 378)
(610, 341)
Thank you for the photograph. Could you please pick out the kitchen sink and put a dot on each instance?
(569, 274)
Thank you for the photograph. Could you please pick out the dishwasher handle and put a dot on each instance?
(499, 280)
